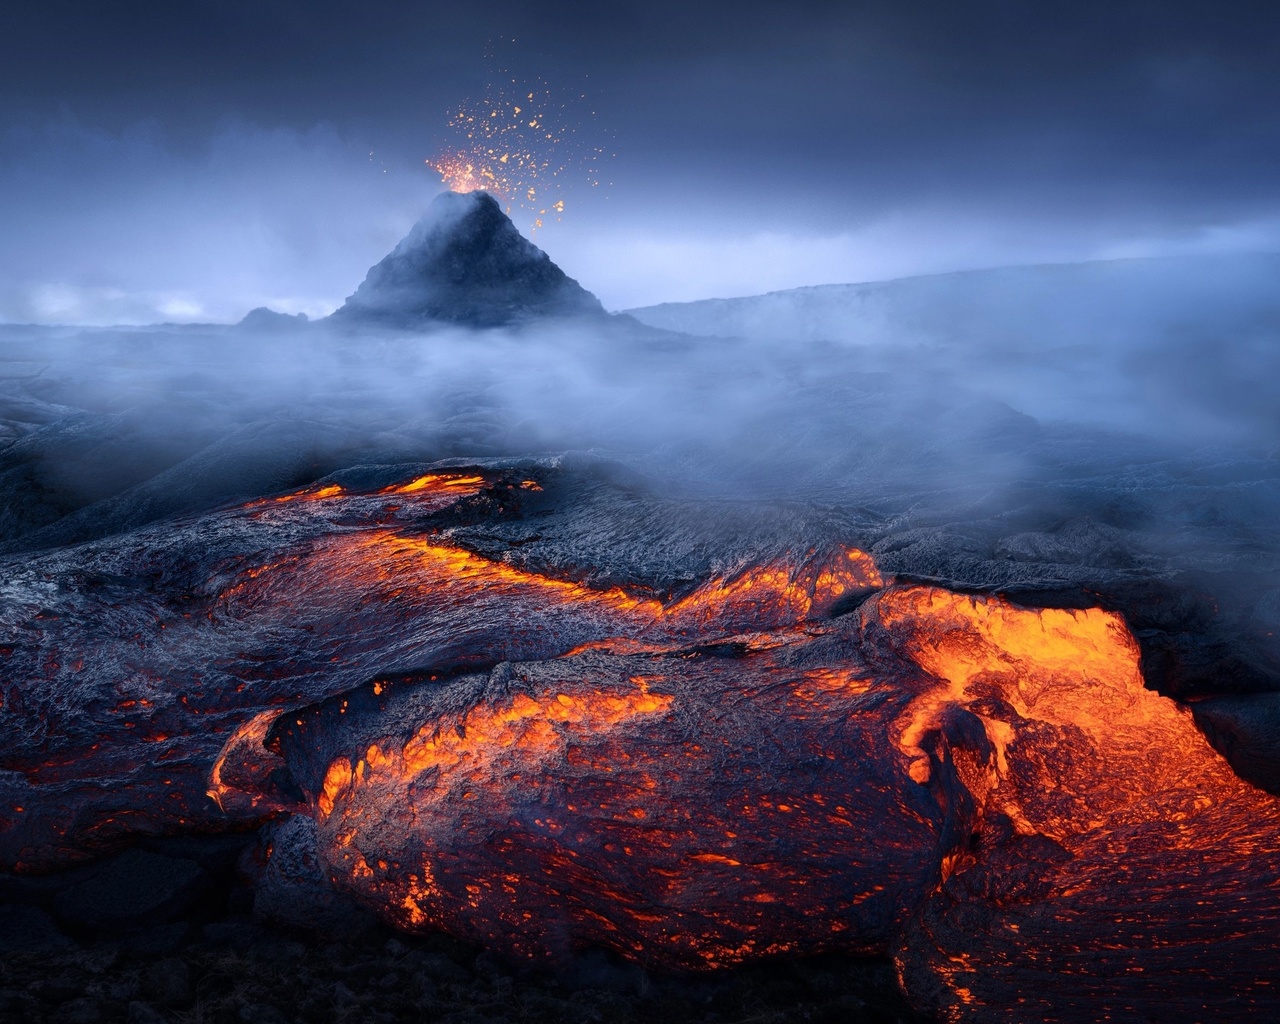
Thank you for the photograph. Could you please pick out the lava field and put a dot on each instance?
(518, 655)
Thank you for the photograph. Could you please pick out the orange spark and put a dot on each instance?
(521, 143)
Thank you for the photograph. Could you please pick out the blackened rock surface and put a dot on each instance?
(293, 890)
(29, 930)
(40, 890)
(436, 980)
(217, 854)
(257, 458)
(465, 263)
(158, 940)
(1245, 729)
(144, 1013)
(168, 982)
(79, 459)
(78, 1011)
(134, 890)
(1188, 665)
(1078, 542)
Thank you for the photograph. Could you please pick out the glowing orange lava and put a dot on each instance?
(693, 810)
(648, 805)
(791, 756)
(419, 573)
(1124, 855)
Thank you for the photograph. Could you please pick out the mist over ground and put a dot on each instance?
(1179, 348)
(1081, 436)
(1047, 426)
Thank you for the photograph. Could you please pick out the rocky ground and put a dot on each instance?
(147, 937)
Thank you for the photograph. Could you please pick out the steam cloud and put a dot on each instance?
(133, 227)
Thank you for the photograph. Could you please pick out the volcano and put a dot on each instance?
(465, 263)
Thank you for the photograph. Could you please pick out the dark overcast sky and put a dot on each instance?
(198, 156)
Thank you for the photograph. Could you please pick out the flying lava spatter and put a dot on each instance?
(520, 141)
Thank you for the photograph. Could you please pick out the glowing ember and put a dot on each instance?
(520, 142)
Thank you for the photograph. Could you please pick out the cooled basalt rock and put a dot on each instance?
(292, 888)
(1245, 729)
(133, 890)
(26, 929)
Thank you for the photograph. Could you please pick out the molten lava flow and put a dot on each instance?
(309, 594)
(306, 494)
(1119, 852)
(688, 811)
(437, 483)
(992, 782)
(1069, 668)
(423, 575)
(538, 763)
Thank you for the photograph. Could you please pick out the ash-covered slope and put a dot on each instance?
(465, 263)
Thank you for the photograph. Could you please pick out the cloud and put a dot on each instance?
(129, 227)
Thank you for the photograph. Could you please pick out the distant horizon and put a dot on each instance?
(959, 271)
